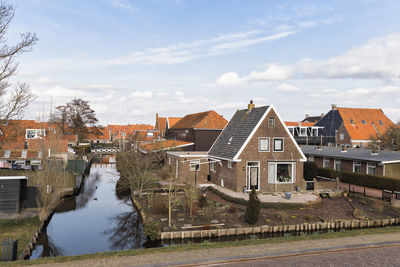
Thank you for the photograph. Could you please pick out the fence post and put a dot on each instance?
(14, 250)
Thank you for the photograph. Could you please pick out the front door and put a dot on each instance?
(253, 175)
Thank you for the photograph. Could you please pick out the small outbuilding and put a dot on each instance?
(12, 190)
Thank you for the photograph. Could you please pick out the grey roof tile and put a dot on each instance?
(238, 130)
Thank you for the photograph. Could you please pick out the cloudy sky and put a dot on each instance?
(131, 59)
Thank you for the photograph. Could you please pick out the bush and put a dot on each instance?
(253, 208)
(328, 173)
(372, 181)
(159, 206)
(152, 230)
(310, 170)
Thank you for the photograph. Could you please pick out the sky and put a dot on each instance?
(133, 59)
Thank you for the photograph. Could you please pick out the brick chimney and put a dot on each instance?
(251, 105)
(334, 107)
(307, 115)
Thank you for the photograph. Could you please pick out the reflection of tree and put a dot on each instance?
(49, 249)
(87, 191)
(126, 232)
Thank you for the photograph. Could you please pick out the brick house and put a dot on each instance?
(353, 127)
(189, 167)
(384, 163)
(164, 123)
(199, 128)
(256, 150)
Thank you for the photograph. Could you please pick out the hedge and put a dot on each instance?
(310, 170)
(362, 179)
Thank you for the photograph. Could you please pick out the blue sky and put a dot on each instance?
(131, 59)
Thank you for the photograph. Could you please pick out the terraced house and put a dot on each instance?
(256, 150)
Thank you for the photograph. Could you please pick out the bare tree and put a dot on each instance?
(389, 140)
(191, 198)
(173, 200)
(78, 115)
(135, 170)
(12, 103)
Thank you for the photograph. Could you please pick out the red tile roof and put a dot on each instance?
(173, 120)
(202, 120)
(295, 123)
(164, 145)
(362, 123)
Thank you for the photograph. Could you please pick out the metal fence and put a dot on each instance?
(8, 249)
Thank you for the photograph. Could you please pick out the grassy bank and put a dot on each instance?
(19, 229)
(188, 247)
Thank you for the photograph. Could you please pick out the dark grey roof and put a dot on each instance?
(352, 153)
(331, 123)
(239, 129)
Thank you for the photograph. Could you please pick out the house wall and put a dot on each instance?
(347, 165)
(392, 170)
(204, 139)
(346, 142)
(235, 178)
(186, 135)
(184, 174)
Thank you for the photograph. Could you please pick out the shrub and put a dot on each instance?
(327, 172)
(159, 206)
(232, 209)
(310, 170)
(202, 201)
(372, 181)
(253, 208)
(152, 230)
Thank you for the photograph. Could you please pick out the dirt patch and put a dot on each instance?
(215, 212)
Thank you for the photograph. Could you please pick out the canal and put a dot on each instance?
(96, 220)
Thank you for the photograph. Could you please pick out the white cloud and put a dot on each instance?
(388, 89)
(359, 91)
(142, 94)
(284, 87)
(162, 93)
(230, 78)
(179, 93)
(273, 72)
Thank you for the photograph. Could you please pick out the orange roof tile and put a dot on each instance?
(164, 145)
(173, 120)
(295, 123)
(362, 123)
(202, 120)
(162, 124)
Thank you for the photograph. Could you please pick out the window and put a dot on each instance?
(271, 121)
(24, 153)
(7, 154)
(230, 164)
(326, 163)
(195, 165)
(363, 121)
(40, 154)
(380, 122)
(212, 166)
(351, 121)
(34, 133)
(338, 165)
(341, 137)
(303, 132)
(291, 131)
(1, 132)
(356, 166)
(371, 168)
(263, 144)
(278, 144)
(310, 158)
(281, 172)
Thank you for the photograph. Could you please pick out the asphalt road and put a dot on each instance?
(380, 256)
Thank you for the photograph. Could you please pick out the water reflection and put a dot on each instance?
(48, 247)
(126, 232)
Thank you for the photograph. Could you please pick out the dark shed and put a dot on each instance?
(12, 190)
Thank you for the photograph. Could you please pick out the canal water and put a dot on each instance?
(96, 220)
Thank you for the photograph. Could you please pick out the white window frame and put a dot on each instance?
(324, 162)
(356, 162)
(283, 144)
(273, 180)
(311, 158)
(271, 121)
(259, 144)
(334, 164)
(36, 133)
(193, 165)
(230, 164)
(291, 130)
(7, 154)
(341, 136)
(24, 154)
(371, 165)
(213, 166)
(301, 131)
(247, 174)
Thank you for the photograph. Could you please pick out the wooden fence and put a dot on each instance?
(8, 249)
(299, 228)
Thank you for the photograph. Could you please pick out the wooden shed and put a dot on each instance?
(12, 190)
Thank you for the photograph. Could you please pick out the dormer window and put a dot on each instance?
(271, 121)
(35, 133)
(351, 121)
(230, 140)
(380, 122)
(363, 121)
